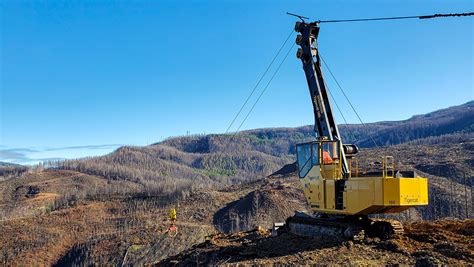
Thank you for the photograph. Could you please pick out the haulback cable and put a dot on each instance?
(389, 18)
(398, 18)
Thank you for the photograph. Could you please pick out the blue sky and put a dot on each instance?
(81, 78)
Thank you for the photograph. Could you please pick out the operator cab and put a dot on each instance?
(320, 155)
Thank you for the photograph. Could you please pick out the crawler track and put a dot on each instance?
(350, 227)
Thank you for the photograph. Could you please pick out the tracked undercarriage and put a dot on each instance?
(350, 227)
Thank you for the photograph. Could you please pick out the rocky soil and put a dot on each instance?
(445, 242)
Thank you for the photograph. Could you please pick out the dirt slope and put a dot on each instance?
(441, 242)
(272, 201)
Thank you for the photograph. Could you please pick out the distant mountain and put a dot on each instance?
(11, 170)
(222, 159)
(457, 121)
(5, 164)
(453, 124)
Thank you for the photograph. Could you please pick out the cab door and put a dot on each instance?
(309, 172)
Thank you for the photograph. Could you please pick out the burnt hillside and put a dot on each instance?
(451, 123)
(112, 209)
(213, 161)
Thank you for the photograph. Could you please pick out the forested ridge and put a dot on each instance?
(438, 143)
(220, 159)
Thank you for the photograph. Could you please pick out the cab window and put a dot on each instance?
(307, 156)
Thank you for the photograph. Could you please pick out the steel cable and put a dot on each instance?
(347, 98)
(266, 87)
(259, 81)
(398, 18)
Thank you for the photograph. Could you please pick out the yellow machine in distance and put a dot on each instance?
(320, 172)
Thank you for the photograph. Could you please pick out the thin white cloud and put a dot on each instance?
(31, 156)
(107, 146)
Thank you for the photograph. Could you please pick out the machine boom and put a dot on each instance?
(325, 124)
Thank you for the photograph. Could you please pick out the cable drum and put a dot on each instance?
(350, 149)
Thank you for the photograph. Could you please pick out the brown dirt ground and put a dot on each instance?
(443, 242)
